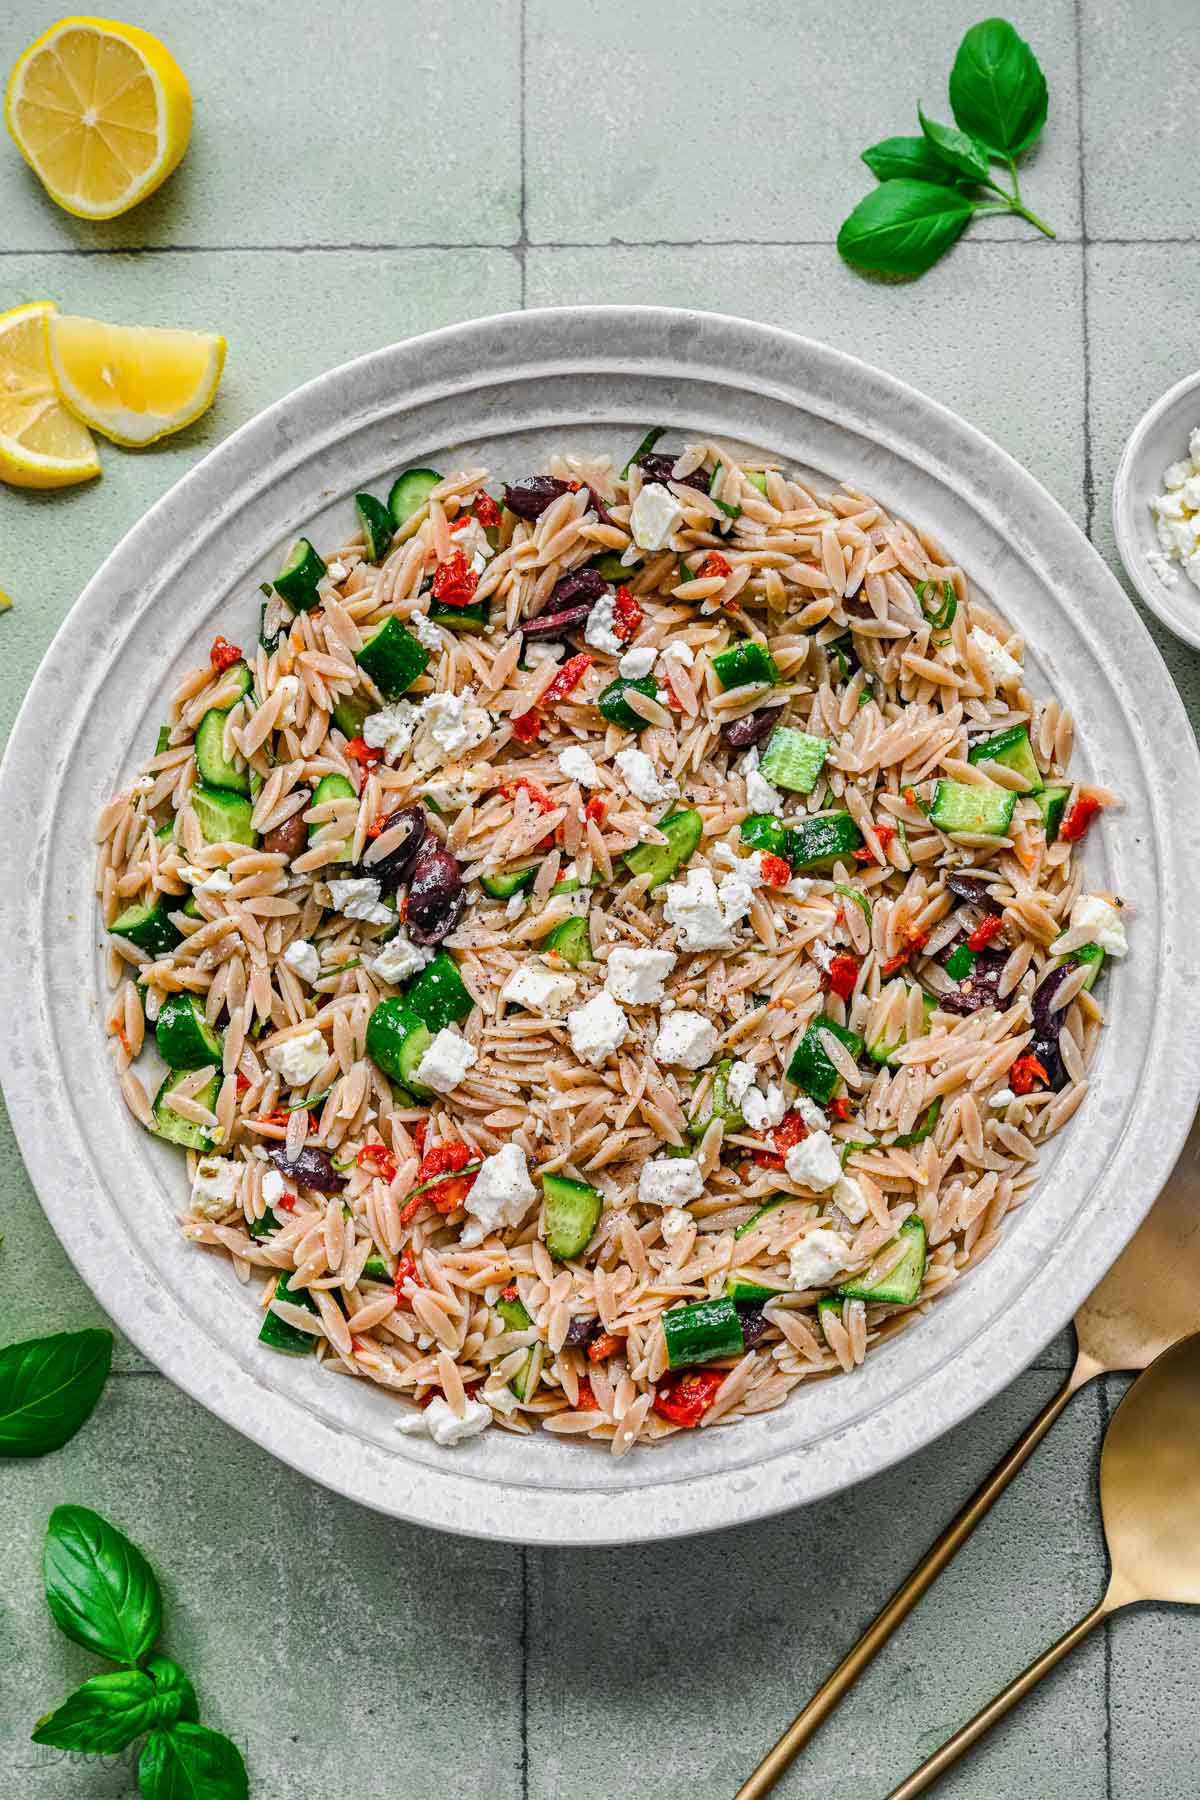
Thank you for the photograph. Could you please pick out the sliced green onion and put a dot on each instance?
(939, 615)
(858, 899)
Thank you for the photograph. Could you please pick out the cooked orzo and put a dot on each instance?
(614, 942)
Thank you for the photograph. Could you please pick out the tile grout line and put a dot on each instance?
(1089, 473)
(1106, 1412)
(521, 252)
(524, 1672)
(521, 247)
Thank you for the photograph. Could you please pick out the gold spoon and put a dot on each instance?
(1149, 1299)
(1150, 1499)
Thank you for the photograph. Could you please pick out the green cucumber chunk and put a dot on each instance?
(730, 510)
(298, 578)
(332, 787)
(752, 1284)
(757, 478)
(743, 663)
(149, 926)
(903, 1284)
(660, 861)
(571, 940)
(172, 1125)
(758, 1217)
(378, 526)
(476, 617)
(1014, 750)
(163, 740)
(828, 1306)
(762, 831)
(819, 842)
(810, 1067)
(719, 1105)
(350, 714)
(508, 882)
(517, 1319)
(571, 1212)
(261, 1228)
(184, 1036)
(225, 817)
(609, 567)
(698, 1332)
(439, 996)
(214, 766)
(794, 759)
(392, 657)
(410, 492)
(882, 1052)
(277, 1334)
(960, 962)
(924, 1126)
(397, 1039)
(981, 811)
(377, 1268)
(1087, 953)
(617, 710)
(1052, 804)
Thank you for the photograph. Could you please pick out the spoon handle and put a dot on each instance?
(897, 1609)
(983, 1721)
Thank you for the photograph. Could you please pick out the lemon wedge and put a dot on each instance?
(41, 445)
(134, 383)
(101, 112)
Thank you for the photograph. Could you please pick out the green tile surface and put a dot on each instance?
(358, 177)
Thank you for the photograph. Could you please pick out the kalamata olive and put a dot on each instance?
(658, 469)
(579, 1333)
(753, 1323)
(1044, 1020)
(556, 625)
(530, 497)
(310, 1168)
(1046, 1048)
(580, 584)
(392, 869)
(288, 839)
(597, 505)
(974, 890)
(751, 728)
(981, 986)
(436, 895)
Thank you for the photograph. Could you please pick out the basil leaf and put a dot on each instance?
(913, 158)
(104, 1715)
(48, 1386)
(903, 227)
(189, 1762)
(99, 1587)
(956, 149)
(174, 1688)
(997, 89)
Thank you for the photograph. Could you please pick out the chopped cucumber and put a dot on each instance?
(149, 927)
(745, 662)
(298, 578)
(377, 1268)
(719, 1106)
(763, 831)
(701, 1331)
(752, 1284)
(1014, 750)
(166, 833)
(617, 710)
(644, 448)
(810, 1067)
(660, 861)
(881, 1052)
(508, 883)
(476, 617)
(517, 1319)
(730, 510)
(332, 787)
(609, 567)
(260, 1228)
(1087, 953)
(903, 1284)
(214, 766)
(172, 1125)
(378, 526)
(924, 1126)
(392, 657)
(397, 1039)
(277, 1334)
(794, 759)
(572, 1212)
(819, 842)
(860, 899)
(758, 1217)
(225, 817)
(757, 478)
(350, 713)
(571, 940)
(963, 806)
(439, 995)
(828, 1306)
(960, 962)
(1052, 804)
(410, 492)
(570, 884)
(184, 1036)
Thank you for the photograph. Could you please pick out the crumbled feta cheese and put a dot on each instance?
(642, 778)
(516, 905)
(739, 1082)
(850, 1200)
(450, 724)
(1102, 921)
(694, 907)
(446, 1061)
(358, 898)
(577, 765)
(736, 891)
(501, 1399)
(440, 1422)
(637, 663)
(822, 954)
(289, 687)
(425, 631)
(391, 729)
(674, 1223)
(215, 1185)
(762, 1111)
(814, 1119)
(399, 958)
(637, 976)
(814, 1161)
(654, 516)
(1177, 516)
(679, 653)
(599, 632)
(597, 1029)
(142, 785)
(799, 887)
(685, 1038)
(298, 1059)
(305, 959)
(761, 797)
(274, 1187)
(337, 571)
(542, 653)
(999, 664)
(670, 1181)
(538, 989)
(207, 881)
(500, 1195)
(817, 1258)
(1001, 1098)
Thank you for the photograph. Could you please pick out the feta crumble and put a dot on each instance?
(215, 1185)
(637, 976)
(1002, 1097)
(399, 958)
(358, 898)
(207, 881)
(577, 765)
(1000, 665)
(597, 1029)
(599, 631)
(298, 1059)
(304, 958)
(817, 1258)
(674, 1223)
(450, 724)
(1177, 516)
(274, 1187)
(762, 1111)
(425, 631)
(686, 1039)
(391, 729)
(850, 1200)
(670, 1181)
(814, 1162)
(654, 516)
(440, 1422)
(761, 797)
(642, 778)
(446, 1061)
(1102, 921)
(637, 663)
(694, 907)
(538, 989)
(500, 1195)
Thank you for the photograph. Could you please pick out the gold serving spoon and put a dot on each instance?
(1150, 1499)
(1149, 1299)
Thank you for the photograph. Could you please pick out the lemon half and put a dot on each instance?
(41, 445)
(101, 112)
(134, 383)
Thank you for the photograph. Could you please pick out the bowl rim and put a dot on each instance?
(1178, 619)
(756, 360)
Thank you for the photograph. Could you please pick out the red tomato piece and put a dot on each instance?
(538, 795)
(627, 614)
(687, 1396)
(785, 1136)
(486, 510)
(568, 678)
(1026, 1074)
(223, 654)
(595, 809)
(843, 973)
(604, 1346)
(378, 1157)
(587, 1400)
(775, 871)
(1079, 818)
(525, 726)
(714, 564)
(840, 1108)
(454, 581)
(406, 1270)
(985, 931)
(359, 751)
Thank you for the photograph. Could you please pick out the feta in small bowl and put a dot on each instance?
(1156, 509)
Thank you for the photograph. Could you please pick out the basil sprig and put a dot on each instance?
(103, 1593)
(48, 1387)
(924, 201)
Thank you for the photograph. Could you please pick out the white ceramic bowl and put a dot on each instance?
(502, 391)
(1158, 439)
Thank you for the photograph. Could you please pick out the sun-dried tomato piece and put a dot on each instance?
(538, 795)
(223, 654)
(604, 1346)
(627, 615)
(1026, 1074)
(587, 1400)
(359, 751)
(525, 726)
(985, 931)
(406, 1270)
(454, 581)
(486, 510)
(378, 1157)
(714, 564)
(843, 973)
(595, 809)
(687, 1396)
(1079, 818)
(786, 1135)
(568, 678)
(776, 872)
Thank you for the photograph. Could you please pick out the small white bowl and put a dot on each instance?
(1159, 439)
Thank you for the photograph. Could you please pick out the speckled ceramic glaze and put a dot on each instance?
(503, 391)
(1159, 438)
